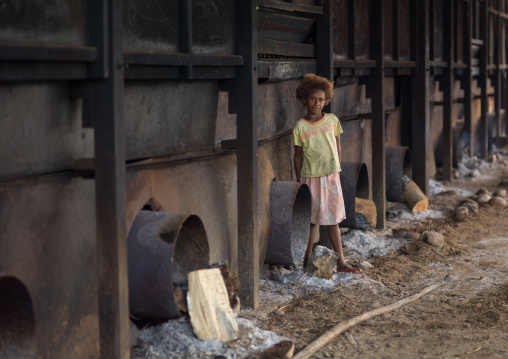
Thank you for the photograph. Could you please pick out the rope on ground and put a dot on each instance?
(327, 337)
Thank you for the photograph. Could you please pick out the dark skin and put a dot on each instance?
(314, 102)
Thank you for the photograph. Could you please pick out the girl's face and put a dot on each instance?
(315, 101)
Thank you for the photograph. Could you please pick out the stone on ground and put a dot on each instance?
(322, 262)
(498, 202)
(433, 238)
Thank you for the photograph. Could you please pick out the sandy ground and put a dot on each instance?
(466, 317)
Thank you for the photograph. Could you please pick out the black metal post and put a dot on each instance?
(420, 116)
(110, 194)
(498, 36)
(244, 94)
(447, 84)
(467, 80)
(482, 80)
(377, 84)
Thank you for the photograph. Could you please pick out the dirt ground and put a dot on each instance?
(466, 317)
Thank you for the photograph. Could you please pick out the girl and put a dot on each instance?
(317, 162)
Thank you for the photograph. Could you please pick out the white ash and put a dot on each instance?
(435, 187)
(175, 339)
(366, 244)
(468, 165)
(400, 212)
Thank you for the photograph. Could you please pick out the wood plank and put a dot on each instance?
(208, 304)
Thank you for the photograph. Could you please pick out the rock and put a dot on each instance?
(283, 350)
(433, 238)
(365, 265)
(401, 233)
(483, 198)
(451, 192)
(504, 183)
(322, 262)
(498, 202)
(471, 205)
(500, 193)
(414, 248)
(278, 273)
(474, 173)
(482, 190)
(461, 212)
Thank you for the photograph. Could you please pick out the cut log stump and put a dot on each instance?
(208, 303)
(414, 197)
(367, 208)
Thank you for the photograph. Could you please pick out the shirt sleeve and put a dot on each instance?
(296, 136)
(338, 127)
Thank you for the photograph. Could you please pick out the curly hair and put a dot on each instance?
(312, 82)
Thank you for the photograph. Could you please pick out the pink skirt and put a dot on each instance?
(327, 202)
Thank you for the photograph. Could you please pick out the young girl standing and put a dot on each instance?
(317, 162)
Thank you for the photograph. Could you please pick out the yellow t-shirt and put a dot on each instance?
(320, 157)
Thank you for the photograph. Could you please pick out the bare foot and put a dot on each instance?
(347, 269)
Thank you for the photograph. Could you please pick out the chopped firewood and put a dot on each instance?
(209, 309)
(368, 209)
(414, 197)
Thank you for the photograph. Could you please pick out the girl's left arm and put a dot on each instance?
(337, 139)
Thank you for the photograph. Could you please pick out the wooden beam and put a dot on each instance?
(110, 194)
(420, 116)
(245, 96)
(377, 84)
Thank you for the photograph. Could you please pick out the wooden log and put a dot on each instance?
(208, 303)
(330, 335)
(368, 209)
(414, 197)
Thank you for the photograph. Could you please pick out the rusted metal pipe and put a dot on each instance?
(290, 205)
(17, 320)
(398, 164)
(162, 248)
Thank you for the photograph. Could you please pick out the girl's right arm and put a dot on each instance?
(298, 161)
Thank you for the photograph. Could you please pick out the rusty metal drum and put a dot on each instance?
(398, 164)
(162, 248)
(290, 214)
